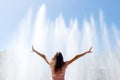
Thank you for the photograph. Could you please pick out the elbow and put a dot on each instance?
(43, 56)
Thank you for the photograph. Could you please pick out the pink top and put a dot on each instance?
(60, 74)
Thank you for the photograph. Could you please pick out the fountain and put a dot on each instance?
(19, 63)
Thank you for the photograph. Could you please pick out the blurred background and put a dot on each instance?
(69, 26)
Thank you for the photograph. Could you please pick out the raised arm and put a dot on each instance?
(40, 54)
(78, 56)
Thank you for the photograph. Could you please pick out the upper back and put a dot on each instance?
(59, 74)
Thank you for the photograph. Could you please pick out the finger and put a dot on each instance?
(32, 48)
(90, 49)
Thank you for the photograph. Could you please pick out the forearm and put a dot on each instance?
(80, 55)
(40, 54)
(76, 57)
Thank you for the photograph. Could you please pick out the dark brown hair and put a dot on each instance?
(59, 61)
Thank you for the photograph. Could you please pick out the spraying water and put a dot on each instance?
(19, 63)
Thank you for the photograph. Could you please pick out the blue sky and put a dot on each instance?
(12, 11)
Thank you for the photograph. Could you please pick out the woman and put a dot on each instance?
(58, 65)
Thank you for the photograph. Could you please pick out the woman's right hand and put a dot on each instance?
(33, 50)
(89, 51)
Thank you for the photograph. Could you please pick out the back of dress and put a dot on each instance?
(59, 75)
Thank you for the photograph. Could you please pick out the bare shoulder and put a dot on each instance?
(51, 62)
(66, 62)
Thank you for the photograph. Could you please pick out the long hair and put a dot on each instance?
(59, 61)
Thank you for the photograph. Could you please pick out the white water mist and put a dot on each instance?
(48, 37)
